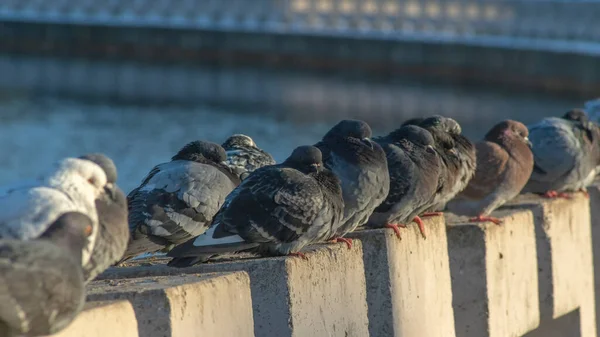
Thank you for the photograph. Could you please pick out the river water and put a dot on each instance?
(36, 130)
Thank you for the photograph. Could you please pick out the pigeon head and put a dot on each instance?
(577, 115)
(305, 159)
(237, 141)
(413, 121)
(105, 163)
(442, 123)
(78, 176)
(508, 131)
(70, 231)
(200, 151)
(414, 134)
(350, 128)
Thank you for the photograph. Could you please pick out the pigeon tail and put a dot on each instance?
(210, 243)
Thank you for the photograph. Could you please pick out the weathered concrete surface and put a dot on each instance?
(565, 257)
(408, 281)
(322, 296)
(494, 276)
(185, 306)
(98, 318)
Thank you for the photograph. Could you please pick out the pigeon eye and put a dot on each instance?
(92, 181)
(88, 230)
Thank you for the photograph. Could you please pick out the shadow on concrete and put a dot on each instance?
(466, 251)
(564, 326)
(153, 317)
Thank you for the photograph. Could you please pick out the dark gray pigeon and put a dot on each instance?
(113, 232)
(277, 210)
(504, 164)
(178, 200)
(72, 185)
(243, 156)
(458, 159)
(41, 282)
(361, 165)
(566, 152)
(414, 168)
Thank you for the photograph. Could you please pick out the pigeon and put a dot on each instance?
(361, 165)
(41, 281)
(414, 168)
(178, 200)
(458, 158)
(72, 185)
(566, 154)
(243, 156)
(504, 164)
(277, 210)
(113, 232)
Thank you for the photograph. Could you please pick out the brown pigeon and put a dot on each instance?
(504, 164)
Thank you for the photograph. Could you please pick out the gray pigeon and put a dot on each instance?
(414, 168)
(178, 199)
(361, 165)
(243, 156)
(504, 164)
(73, 185)
(277, 210)
(113, 232)
(566, 152)
(41, 282)
(458, 159)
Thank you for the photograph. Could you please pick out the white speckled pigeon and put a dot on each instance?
(113, 232)
(277, 210)
(504, 164)
(41, 281)
(72, 185)
(361, 165)
(243, 156)
(566, 152)
(414, 168)
(458, 159)
(178, 199)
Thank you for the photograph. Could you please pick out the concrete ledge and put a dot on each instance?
(494, 276)
(565, 257)
(99, 317)
(324, 296)
(408, 281)
(531, 276)
(185, 306)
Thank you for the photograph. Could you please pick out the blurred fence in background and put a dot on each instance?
(343, 57)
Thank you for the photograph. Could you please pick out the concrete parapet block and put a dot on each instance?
(408, 281)
(565, 258)
(322, 296)
(184, 306)
(99, 317)
(494, 276)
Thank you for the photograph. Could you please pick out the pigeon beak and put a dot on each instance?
(367, 141)
(109, 189)
(528, 142)
(315, 167)
(430, 148)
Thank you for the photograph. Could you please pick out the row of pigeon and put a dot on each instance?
(58, 232)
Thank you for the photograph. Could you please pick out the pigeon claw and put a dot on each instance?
(554, 195)
(482, 218)
(298, 254)
(585, 192)
(428, 214)
(421, 226)
(395, 228)
(347, 241)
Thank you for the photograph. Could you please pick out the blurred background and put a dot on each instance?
(138, 79)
